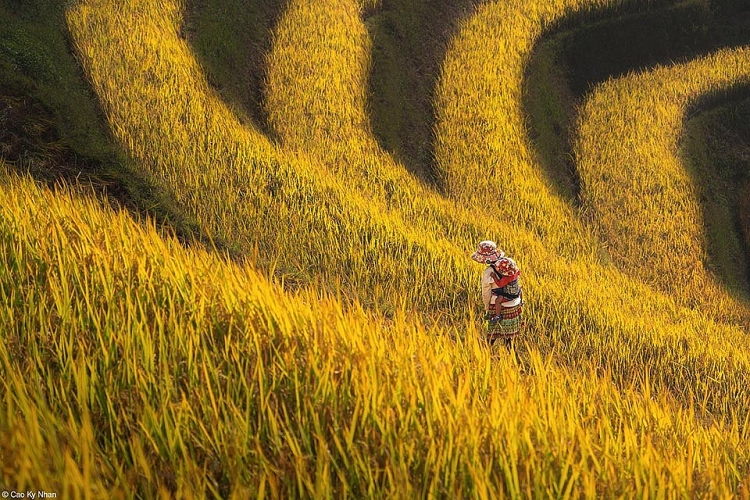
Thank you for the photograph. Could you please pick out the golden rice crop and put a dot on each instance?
(327, 234)
(241, 187)
(142, 368)
(163, 369)
(483, 151)
(629, 137)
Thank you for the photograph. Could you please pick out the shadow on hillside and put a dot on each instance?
(716, 150)
(231, 39)
(579, 53)
(409, 42)
(573, 58)
(51, 125)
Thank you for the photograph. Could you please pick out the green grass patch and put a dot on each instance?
(409, 40)
(35, 60)
(231, 39)
(596, 51)
(551, 108)
(716, 145)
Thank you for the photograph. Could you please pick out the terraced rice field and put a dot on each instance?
(262, 287)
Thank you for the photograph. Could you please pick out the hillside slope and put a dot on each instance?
(336, 353)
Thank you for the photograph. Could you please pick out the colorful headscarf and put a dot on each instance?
(506, 267)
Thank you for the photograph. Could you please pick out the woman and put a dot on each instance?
(501, 293)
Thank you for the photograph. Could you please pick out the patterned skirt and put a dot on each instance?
(507, 324)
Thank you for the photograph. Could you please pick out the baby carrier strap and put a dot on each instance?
(511, 291)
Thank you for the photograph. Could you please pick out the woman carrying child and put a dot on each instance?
(501, 293)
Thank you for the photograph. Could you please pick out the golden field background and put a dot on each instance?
(319, 337)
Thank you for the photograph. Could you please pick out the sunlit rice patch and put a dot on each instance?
(636, 189)
(363, 374)
(144, 367)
